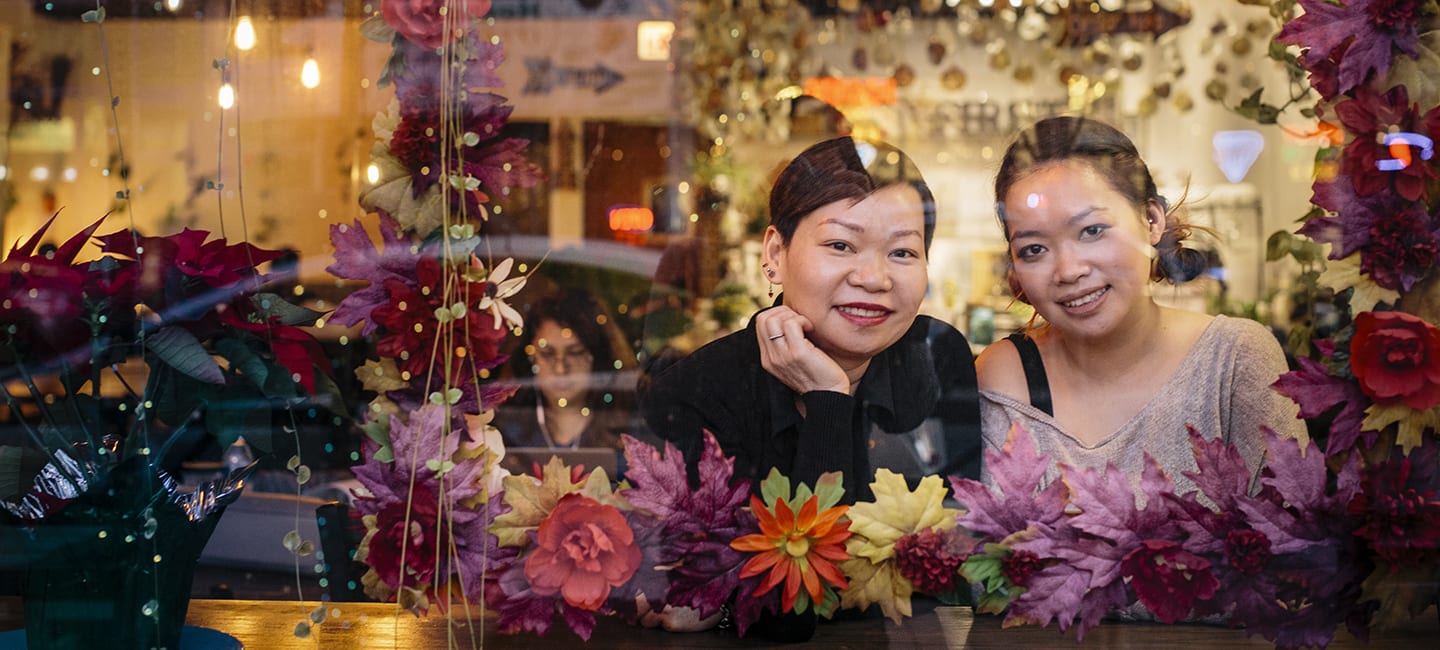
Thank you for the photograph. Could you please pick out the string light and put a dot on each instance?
(310, 73)
(226, 96)
(244, 33)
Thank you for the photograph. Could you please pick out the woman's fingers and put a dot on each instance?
(791, 357)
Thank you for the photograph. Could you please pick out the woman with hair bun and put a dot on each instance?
(1110, 375)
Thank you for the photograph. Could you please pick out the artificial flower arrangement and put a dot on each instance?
(125, 363)
(196, 313)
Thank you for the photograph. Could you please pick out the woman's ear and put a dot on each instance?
(1155, 221)
(773, 256)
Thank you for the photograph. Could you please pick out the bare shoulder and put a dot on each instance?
(998, 370)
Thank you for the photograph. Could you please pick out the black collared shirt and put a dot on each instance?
(916, 412)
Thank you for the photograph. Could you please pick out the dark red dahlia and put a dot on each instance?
(1018, 566)
(1401, 515)
(411, 328)
(1247, 550)
(411, 530)
(1168, 579)
(1402, 249)
(926, 559)
(1396, 16)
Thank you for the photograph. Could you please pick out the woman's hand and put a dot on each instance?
(786, 353)
(674, 619)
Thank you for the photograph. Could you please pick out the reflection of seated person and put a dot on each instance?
(576, 376)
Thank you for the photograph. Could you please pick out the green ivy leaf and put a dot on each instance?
(1278, 245)
(270, 305)
(180, 349)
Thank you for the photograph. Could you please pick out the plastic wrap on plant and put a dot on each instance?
(53, 486)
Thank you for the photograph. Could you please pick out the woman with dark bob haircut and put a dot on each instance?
(841, 374)
(1088, 235)
(577, 376)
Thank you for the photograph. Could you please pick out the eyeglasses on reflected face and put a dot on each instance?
(551, 357)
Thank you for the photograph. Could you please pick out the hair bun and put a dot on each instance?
(1180, 265)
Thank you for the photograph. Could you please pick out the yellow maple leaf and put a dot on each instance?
(531, 500)
(895, 513)
(876, 583)
(1345, 273)
(380, 376)
(1413, 423)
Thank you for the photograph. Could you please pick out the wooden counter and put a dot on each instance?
(269, 625)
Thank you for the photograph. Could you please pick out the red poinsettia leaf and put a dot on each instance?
(66, 252)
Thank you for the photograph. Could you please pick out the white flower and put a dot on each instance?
(497, 289)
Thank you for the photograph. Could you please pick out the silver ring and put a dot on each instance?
(780, 335)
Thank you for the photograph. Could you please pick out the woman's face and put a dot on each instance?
(856, 271)
(1081, 250)
(562, 364)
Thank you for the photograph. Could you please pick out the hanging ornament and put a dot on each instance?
(849, 6)
(1216, 89)
(1067, 74)
(1183, 102)
(953, 78)
(1132, 62)
(1161, 90)
(1240, 46)
(1000, 60)
(1024, 73)
(935, 51)
(860, 59)
(1147, 105)
(1033, 26)
(930, 6)
(904, 75)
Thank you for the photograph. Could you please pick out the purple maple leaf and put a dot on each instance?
(357, 258)
(1317, 391)
(697, 525)
(1016, 501)
(1358, 214)
(1365, 37)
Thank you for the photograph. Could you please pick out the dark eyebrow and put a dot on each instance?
(857, 229)
(1075, 218)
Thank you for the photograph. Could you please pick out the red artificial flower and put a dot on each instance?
(412, 530)
(1401, 514)
(1247, 550)
(294, 348)
(1396, 358)
(796, 549)
(421, 22)
(928, 560)
(1168, 579)
(1370, 116)
(411, 329)
(584, 549)
(1402, 249)
(1018, 566)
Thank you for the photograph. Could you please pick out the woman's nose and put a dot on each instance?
(1070, 265)
(871, 274)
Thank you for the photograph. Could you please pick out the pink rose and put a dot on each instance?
(1396, 357)
(420, 22)
(585, 549)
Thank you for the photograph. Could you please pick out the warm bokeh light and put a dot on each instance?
(372, 174)
(310, 73)
(244, 33)
(226, 96)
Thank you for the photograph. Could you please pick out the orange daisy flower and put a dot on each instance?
(795, 549)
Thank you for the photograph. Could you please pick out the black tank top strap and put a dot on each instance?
(1034, 372)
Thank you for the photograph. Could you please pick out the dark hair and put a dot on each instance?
(583, 314)
(1115, 158)
(833, 170)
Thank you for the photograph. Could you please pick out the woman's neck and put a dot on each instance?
(564, 424)
(1116, 353)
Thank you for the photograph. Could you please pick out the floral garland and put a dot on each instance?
(436, 309)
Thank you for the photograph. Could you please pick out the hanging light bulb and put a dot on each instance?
(372, 173)
(173, 5)
(244, 33)
(226, 96)
(310, 73)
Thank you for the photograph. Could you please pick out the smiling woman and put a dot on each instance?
(841, 374)
(1088, 233)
